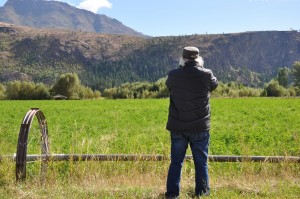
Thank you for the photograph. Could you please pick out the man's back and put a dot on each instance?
(189, 98)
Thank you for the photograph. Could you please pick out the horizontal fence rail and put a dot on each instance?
(130, 157)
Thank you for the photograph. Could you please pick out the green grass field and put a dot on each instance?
(241, 126)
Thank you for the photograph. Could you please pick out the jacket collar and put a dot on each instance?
(190, 64)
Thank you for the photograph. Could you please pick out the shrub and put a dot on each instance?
(2, 92)
(273, 89)
(233, 93)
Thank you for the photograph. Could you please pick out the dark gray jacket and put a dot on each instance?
(190, 88)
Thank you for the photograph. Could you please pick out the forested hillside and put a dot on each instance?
(104, 61)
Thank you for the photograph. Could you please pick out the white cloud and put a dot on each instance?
(94, 5)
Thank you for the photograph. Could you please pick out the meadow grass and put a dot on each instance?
(248, 126)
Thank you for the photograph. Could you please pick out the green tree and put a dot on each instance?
(68, 84)
(273, 89)
(41, 92)
(2, 92)
(109, 92)
(296, 73)
(162, 88)
(21, 90)
(97, 94)
(283, 77)
(88, 93)
(26, 91)
(13, 89)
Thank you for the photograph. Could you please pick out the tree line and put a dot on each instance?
(285, 84)
(67, 85)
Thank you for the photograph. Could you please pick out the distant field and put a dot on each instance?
(242, 126)
(252, 126)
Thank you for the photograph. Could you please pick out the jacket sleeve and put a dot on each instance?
(213, 82)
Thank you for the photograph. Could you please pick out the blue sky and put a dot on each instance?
(185, 17)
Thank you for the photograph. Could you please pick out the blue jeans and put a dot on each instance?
(199, 143)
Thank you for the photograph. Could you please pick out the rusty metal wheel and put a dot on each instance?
(23, 144)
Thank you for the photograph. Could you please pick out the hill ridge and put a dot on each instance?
(60, 15)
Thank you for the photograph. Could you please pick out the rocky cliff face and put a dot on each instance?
(258, 49)
(58, 15)
(260, 52)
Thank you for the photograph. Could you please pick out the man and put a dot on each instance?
(189, 119)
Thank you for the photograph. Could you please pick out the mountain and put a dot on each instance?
(103, 60)
(58, 15)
